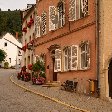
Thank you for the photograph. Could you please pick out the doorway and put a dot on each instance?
(54, 73)
(110, 79)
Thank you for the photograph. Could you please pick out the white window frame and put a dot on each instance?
(38, 26)
(69, 59)
(51, 25)
(87, 53)
(61, 15)
(81, 8)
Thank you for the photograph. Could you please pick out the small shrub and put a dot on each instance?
(6, 65)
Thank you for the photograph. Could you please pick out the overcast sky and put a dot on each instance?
(15, 4)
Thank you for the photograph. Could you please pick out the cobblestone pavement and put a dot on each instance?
(15, 99)
(82, 101)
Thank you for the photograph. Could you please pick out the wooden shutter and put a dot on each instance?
(88, 54)
(65, 59)
(38, 26)
(43, 23)
(72, 10)
(52, 12)
(74, 57)
(61, 14)
(57, 60)
(83, 8)
(69, 58)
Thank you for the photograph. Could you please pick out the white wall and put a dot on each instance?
(11, 50)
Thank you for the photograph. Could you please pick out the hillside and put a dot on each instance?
(10, 21)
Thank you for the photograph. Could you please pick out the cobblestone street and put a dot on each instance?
(15, 99)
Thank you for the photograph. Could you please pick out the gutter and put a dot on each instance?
(97, 44)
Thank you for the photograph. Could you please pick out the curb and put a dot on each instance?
(50, 98)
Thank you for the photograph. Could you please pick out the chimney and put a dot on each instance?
(17, 35)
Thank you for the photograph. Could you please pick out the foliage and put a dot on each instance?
(10, 21)
(6, 65)
(2, 55)
(40, 68)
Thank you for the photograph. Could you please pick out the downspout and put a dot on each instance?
(97, 45)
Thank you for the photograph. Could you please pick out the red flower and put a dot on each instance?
(32, 20)
(29, 24)
(24, 29)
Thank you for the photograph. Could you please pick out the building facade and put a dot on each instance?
(66, 40)
(8, 43)
(28, 30)
(105, 48)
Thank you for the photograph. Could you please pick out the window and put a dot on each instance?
(77, 9)
(43, 23)
(61, 14)
(53, 18)
(38, 26)
(83, 8)
(5, 44)
(10, 60)
(57, 66)
(85, 55)
(71, 58)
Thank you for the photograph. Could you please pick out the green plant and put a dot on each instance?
(6, 65)
(39, 68)
(2, 55)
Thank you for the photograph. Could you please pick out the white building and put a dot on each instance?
(12, 47)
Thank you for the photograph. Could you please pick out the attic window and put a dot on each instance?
(5, 44)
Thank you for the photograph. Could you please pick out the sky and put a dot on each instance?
(15, 4)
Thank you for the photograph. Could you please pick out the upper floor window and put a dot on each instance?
(61, 14)
(38, 26)
(5, 44)
(71, 58)
(85, 55)
(83, 8)
(43, 23)
(77, 9)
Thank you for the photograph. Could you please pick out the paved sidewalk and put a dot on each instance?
(81, 101)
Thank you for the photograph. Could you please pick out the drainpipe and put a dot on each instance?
(97, 44)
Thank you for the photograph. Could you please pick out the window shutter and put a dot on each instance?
(69, 58)
(88, 54)
(83, 8)
(38, 26)
(57, 60)
(65, 59)
(43, 23)
(74, 57)
(72, 10)
(52, 12)
(61, 14)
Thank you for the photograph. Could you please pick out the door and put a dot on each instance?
(110, 79)
(54, 73)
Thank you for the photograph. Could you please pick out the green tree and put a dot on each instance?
(2, 55)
